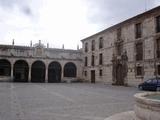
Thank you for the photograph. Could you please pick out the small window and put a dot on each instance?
(138, 32)
(85, 73)
(158, 24)
(92, 60)
(139, 70)
(86, 47)
(100, 59)
(86, 61)
(100, 42)
(100, 72)
(93, 45)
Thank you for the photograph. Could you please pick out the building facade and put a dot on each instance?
(39, 64)
(126, 53)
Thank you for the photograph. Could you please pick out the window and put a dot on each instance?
(158, 24)
(93, 45)
(92, 60)
(100, 59)
(100, 42)
(158, 67)
(154, 81)
(85, 73)
(158, 48)
(139, 71)
(139, 51)
(100, 72)
(86, 61)
(86, 47)
(138, 31)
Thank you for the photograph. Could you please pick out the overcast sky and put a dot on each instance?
(65, 22)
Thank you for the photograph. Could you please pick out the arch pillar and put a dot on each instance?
(46, 74)
(29, 74)
(12, 67)
(62, 73)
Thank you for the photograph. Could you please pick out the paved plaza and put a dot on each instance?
(36, 101)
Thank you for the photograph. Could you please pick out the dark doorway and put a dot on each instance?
(5, 68)
(20, 71)
(38, 72)
(70, 70)
(119, 75)
(93, 76)
(54, 72)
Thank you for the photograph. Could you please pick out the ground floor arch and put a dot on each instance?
(38, 72)
(20, 71)
(5, 67)
(54, 72)
(70, 70)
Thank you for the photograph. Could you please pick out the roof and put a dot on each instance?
(126, 21)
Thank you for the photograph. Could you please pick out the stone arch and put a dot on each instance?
(54, 72)
(38, 71)
(20, 71)
(70, 70)
(5, 67)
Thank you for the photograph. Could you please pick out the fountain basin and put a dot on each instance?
(147, 106)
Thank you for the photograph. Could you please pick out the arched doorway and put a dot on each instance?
(119, 75)
(54, 72)
(70, 70)
(38, 72)
(5, 68)
(20, 71)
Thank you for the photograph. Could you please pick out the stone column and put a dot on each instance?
(12, 77)
(62, 74)
(29, 74)
(46, 75)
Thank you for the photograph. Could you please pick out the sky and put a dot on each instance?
(59, 22)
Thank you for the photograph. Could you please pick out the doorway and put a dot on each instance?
(93, 76)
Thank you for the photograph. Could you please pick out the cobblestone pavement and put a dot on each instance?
(35, 101)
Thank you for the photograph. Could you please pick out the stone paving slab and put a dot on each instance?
(129, 115)
(36, 101)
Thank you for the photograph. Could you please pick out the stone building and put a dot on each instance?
(39, 64)
(126, 53)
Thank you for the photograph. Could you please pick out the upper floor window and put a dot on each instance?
(100, 59)
(100, 42)
(138, 30)
(85, 73)
(158, 48)
(86, 61)
(100, 72)
(86, 47)
(93, 45)
(139, 51)
(158, 24)
(92, 60)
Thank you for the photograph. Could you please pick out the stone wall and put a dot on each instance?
(129, 41)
